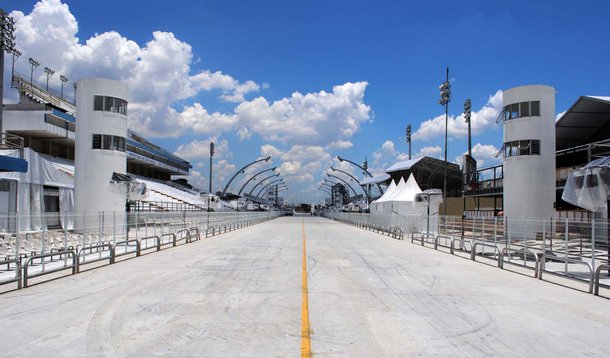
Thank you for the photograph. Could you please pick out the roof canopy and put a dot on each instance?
(376, 179)
(404, 165)
(587, 121)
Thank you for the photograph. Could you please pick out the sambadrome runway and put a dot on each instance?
(299, 286)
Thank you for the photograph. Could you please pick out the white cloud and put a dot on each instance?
(197, 149)
(243, 133)
(158, 74)
(340, 144)
(269, 150)
(483, 153)
(457, 127)
(429, 152)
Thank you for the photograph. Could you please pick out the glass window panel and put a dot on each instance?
(115, 142)
(97, 141)
(535, 110)
(506, 113)
(535, 147)
(524, 147)
(122, 144)
(514, 110)
(107, 104)
(525, 109)
(98, 103)
(106, 139)
(514, 148)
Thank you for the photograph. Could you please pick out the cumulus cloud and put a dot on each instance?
(457, 127)
(483, 153)
(197, 149)
(158, 74)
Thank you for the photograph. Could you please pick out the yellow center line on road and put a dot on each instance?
(305, 331)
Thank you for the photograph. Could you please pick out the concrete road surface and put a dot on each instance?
(241, 294)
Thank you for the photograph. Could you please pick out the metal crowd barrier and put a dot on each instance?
(17, 278)
(575, 241)
(75, 253)
(110, 257)
(30, 259)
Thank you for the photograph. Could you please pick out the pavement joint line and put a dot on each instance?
(305, 329)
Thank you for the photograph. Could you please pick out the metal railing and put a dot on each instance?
(574, 248)
(103, 237)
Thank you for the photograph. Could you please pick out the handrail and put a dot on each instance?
(17, 278)
(473, 250)
(568, 260)
(156, 245)
(126, 243)
(42, 256)
(451, 246)
(172, 241)
(91, 247)
(525, 252)
(597, 274)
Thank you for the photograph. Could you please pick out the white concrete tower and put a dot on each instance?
(101, 132)
(529, 154)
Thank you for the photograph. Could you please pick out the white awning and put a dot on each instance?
(376, 179)
(404, 165)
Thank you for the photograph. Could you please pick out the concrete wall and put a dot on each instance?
(94, 167)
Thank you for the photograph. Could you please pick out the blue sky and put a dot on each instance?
(305, 82)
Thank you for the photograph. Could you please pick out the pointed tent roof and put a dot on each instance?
(391, 196)
(387, 193)
(407, 191)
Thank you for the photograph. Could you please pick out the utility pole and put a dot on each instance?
(445, 89)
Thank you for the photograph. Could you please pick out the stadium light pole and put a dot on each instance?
(346, 183)
(364, 169)
(445, 89)
(7, 44)
(243, 170)
(254, 178)
(16, 54)
(33, 65)
(50, 72)
(263, 180)
(63, 80)
(354, 179)
(408, 135)
(267, 185)
(467, 114)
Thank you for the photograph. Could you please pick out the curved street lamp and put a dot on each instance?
(324, 190)
(354, 179)
(346, 183)
(364, 169)
(254, 177)
(265, 187)
(260, 182)
(242, 170)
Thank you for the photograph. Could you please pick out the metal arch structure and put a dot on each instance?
(262, 180)
(253, 177)
(346, 183)
(271, 182)
(365, 171)
(353, 178)
(242, 170)
(326, 191)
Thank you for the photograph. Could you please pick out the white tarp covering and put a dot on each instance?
(43, 170)
(588, 187)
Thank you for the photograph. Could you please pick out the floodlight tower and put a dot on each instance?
(7, 43)
(63, 80)
(445, 89)
(409, 139)
(50, 72)
(33, 65)
(467, 112)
